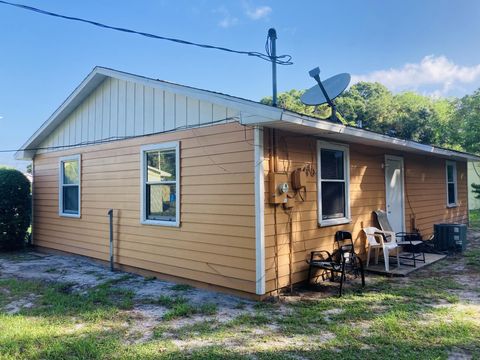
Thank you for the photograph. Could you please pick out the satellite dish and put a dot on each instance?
(333, 86)
(325, 91)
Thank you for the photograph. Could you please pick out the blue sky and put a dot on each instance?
(430, 46)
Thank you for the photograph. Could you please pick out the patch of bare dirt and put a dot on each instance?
(16, 306)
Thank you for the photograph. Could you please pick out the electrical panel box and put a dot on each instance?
(277, 188)
(299, 179)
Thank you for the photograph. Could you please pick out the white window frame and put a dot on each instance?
(346, 170)
(173, 145)
(455, 182)
(61, 186)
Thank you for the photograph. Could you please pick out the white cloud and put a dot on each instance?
(437, 72)
(227, 20)
(259, 12)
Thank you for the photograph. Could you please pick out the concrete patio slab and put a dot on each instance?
(404, 269)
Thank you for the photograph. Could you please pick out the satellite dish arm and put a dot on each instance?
(316, 76)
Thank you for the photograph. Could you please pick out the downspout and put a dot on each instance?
(273, 168)
(259, 211)
(32, 212)
(110, 217)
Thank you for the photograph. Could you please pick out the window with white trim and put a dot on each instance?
(333, 183)
(160, 184)
(69, 186)
(451, 170)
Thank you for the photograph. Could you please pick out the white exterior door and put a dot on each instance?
(394, 195)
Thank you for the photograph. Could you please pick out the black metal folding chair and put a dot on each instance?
(343, 261)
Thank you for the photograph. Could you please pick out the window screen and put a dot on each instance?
(333, 183)
(160, 184)
(70, 186)
(451, 183)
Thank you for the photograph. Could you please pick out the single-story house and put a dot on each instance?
(219, 191)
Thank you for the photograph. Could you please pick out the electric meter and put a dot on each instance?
(283, 188)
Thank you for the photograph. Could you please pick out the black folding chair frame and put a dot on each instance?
(324, 260)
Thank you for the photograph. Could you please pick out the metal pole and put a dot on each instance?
(110, 214)
(329, 101)
(272, 34)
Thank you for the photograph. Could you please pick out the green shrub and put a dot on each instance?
(15, 208)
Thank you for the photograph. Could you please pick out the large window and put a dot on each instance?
(69, 189)
(160, 184)
(451, 169)
(333, 184)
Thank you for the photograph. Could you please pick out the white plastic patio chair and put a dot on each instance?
(376, 240)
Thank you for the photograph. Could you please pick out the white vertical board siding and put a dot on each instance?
(98, 115)
(78, 127)
(169, 110)
(149, 111)
(218, 113)
(139, 104)
(72, 124)
(206, 112)
(114, 108)
(180, 111)
(84, 112)
(159, 113)
(130, 109)
(91, 118)
(106, 110)
(120, 108)
(193, 112)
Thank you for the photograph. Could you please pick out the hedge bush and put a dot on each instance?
(15, 208)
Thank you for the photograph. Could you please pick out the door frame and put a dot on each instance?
(397, 158)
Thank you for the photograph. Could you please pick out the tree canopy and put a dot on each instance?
(447, 122)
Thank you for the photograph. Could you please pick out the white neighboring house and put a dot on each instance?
(473, 177)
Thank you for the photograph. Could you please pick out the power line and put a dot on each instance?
(117, 138)
(281, 60)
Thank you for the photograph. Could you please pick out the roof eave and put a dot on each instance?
(322, 128)
(252, 113)
(99, 74)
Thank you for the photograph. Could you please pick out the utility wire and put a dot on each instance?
(281, 60)
(116, 138)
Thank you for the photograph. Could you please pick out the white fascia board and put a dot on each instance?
(369, 136)
(24, 155)
(252, 113)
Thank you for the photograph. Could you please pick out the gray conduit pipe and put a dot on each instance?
(110, 215)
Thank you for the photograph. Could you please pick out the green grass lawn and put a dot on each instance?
(422, 319)
(475, 219)
(431, 315)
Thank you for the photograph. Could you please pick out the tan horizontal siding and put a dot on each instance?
(425, 186)
(215, 243)
(425, 202)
